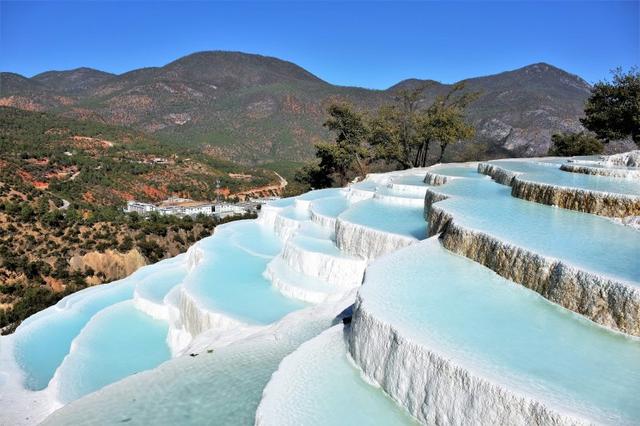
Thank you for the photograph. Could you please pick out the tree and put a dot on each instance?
(351, 135)
(613, 109)
(570, 144)
(404, 134)
(348, 156)
(312, 176)
(385, 138)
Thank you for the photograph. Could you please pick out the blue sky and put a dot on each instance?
(363, 44)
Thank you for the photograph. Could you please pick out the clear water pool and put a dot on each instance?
(551, 174)
(397, 219)
(587, 241)
(117, 342)
(230, 281)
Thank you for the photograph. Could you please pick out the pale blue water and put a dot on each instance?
(295, 213)
(505, 331)
(317, 245)
(404, 220)
(284, 202)
(41, 343)
(118, 342)
(385, 190)
(255, 238)
(409, 179)
(588, 241)
(330, 207)
(157, 285)
(41, 346)
(455, 170)
(367, 185)
(549, 174)
(320, 193)
(230, 281)
(318, 385)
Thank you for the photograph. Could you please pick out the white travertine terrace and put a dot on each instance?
(436, 337)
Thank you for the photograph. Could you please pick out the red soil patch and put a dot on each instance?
(153, 193)
(88, 197)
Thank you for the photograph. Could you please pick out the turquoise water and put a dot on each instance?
(508, 333)
(42, 344)
(502, 330)
(118, 342)
(255, 238)
(456, 170)
(417, 180)
(590, 242)
(295, 213)
(223, 387)
(318, 385)
(330, 207)
(317, 245)
(404, 220)
(538, 172)
(230, 281)
(385, 190)
(157, 285)
(320, 193)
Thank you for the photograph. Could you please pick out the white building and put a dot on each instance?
(223, 210)
(138, 207)
(172, 206)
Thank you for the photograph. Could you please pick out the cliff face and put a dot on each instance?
(113, 264)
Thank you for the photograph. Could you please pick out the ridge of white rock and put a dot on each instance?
(318, 384)
(608, 301)
(628, 159)
(367, 242)
(208, 328)
(595, 201)
(598, 170)
(454, 343)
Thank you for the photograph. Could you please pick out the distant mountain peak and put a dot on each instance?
(253, 108)
(72, 81)
(413, 83)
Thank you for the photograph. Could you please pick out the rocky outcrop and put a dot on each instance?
(113, 264)
(432, 387)
(605, 301)
(627, 159)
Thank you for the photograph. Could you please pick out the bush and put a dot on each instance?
(570, 144)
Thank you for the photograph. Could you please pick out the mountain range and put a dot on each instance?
(255, 109)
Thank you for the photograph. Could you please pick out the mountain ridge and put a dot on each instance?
(255, 109)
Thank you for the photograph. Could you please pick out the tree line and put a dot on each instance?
(612, 112)
(412, 132)
(405, 134)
